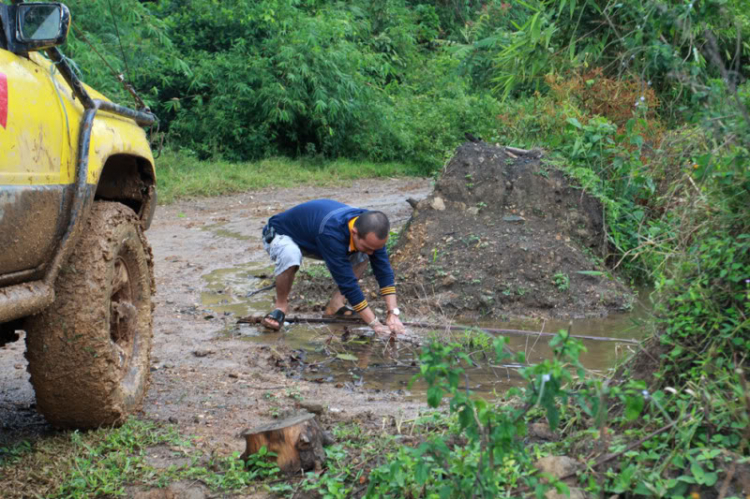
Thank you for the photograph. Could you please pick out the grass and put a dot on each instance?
(103, 463)
(182, 176)
(315, 271)
(107, 462)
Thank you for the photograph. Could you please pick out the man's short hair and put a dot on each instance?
(373, 221)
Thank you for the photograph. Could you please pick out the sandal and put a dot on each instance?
(344, 312)
(278, 316)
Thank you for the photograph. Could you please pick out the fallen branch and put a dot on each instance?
(264, 288)
(426, 325)
(516, 150)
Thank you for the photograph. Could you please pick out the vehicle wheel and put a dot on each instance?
(89, 351)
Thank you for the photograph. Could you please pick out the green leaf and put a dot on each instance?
(434, 396)
(633, 407)
(710, 479)
(536, 28)
(575, 123)
(347, 356)
(698, 473)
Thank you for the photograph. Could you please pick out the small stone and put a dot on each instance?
(541, 431)
(173, 420)
(18, 366)
(514, 219)
(449, 280)
(557, 466)
(313, 407)
(473, 211)
(438, 204)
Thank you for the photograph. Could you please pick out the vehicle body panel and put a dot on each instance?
(38, 146)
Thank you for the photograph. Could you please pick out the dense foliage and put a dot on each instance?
(245, 80)
(645, 104)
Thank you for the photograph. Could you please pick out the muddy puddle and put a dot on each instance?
(347, 356)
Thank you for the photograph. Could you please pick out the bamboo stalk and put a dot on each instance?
(426, 325)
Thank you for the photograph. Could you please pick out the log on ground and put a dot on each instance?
(297, 442)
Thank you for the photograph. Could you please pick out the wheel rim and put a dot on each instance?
(123, 313)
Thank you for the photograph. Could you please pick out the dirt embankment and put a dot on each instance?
(501, 235)
(504, 234)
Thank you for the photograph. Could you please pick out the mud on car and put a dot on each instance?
(77, 192)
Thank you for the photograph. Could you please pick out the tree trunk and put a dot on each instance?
(297, 442)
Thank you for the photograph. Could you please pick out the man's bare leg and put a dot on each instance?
(337, 300)
(283, 288)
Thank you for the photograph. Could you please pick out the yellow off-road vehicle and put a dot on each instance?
(77, 192)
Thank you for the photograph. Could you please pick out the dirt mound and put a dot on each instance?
(504, 234)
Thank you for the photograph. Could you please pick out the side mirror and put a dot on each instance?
(41, 25)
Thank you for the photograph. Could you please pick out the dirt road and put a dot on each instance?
(210, 384)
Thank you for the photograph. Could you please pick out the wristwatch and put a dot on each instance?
(395, 312)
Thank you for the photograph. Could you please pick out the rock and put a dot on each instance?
(313, 407)
(473, 211)
(449, 280)
(438, 204)
(202, 353)
(541, 431)
(557, 466)
(514, 219)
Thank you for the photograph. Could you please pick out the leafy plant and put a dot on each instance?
(561, 281)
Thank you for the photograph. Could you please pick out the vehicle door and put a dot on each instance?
(35, 163)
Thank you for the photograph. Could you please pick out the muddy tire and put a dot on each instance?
(89, 352)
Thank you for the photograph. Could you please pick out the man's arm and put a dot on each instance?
(381, 267)
(334, 255)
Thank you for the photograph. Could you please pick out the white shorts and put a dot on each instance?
(285, 253)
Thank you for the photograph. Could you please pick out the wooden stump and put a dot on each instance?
(297, 442)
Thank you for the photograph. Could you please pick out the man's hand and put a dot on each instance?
(394, 324)
(380, 329)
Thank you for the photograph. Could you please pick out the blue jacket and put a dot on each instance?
(321, 228)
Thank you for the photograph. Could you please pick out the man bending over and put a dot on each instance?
(344, 238)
